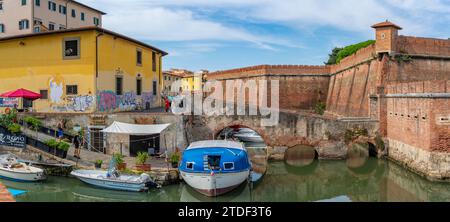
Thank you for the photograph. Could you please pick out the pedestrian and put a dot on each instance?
(60, 133)
(76, 143)
(166, 100)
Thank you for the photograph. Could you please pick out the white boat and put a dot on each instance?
(215, 167)
(251, 136)
(12, 169)
(113, 180)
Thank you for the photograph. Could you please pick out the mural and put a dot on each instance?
(56, 90)
(147, 97)
(82, 103)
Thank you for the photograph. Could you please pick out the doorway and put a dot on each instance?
(139, 143)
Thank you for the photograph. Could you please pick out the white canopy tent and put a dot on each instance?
(135, 129)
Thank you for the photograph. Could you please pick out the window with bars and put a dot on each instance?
(71, 89)
(119, 85)
(71, 48)
(44, 94)
(139, 86)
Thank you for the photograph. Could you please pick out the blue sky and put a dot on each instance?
(225, 34)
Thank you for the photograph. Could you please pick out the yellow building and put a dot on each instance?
(82, 70)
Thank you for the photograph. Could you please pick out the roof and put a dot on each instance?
(88, 28)
(135, 129)
(216, 144)
(81, 4)
(386, 24)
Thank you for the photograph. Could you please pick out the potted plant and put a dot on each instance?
(174, 159)
(62, 149)
(141, 158)
(121, 165)
(52, 145)
(98, 164)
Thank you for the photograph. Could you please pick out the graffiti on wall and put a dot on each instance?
(81, 103)
(108, 101)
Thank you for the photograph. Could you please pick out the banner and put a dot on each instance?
(9, 102)
(12, 140)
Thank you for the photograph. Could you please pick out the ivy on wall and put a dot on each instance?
(339, 54)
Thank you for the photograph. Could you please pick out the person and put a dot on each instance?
(76, 143)
(60, 133)
(166, 100)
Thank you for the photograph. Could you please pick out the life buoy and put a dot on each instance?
(8, 110)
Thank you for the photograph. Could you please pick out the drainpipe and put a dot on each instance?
(96, 63)
(67, 10)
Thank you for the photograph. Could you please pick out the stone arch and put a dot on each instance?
(260, 132)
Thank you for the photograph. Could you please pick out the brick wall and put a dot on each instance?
(423, 46)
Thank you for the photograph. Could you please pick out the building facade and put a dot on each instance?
(18, 17)
(84, 70)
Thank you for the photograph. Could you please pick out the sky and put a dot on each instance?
(225, 34)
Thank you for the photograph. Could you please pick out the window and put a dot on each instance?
(169, 78)
(51, 26)
(37, 29)
(62, 9)
(139, 87)
(139, 57)
(24, 24)
(228, 166)
(190, 165)
(24, 2)
(44, 94)
(154, 88)
(62, 27)
(165, 77)
(154, 61)
(96, 21)
(74, 13)
(1, 5)
(119, 85)
(214, 162)
(37, 2)
(51, 6)
(2, 28)
(37, 22)
(71, 48)
(82, 16)
(71, 90)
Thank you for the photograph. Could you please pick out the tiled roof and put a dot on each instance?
(386, 24)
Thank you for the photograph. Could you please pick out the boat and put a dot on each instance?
(249, 136)
(215, 167)
(12, 169)
(113, 180)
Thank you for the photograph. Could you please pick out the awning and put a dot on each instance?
(21, 93)
(135, 129)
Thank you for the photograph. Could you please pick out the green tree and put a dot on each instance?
(333, 56)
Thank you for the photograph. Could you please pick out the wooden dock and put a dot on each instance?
(5, 196)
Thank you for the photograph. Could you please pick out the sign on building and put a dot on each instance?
(18, 141)
(9, 102)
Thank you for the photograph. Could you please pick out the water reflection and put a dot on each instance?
(376, 180)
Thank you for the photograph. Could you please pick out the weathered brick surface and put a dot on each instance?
(424, 46)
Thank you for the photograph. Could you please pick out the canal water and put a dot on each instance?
(376, 180)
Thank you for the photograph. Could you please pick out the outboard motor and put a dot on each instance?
(148, 181)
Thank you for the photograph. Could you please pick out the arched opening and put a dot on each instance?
(254, 143)
(361, 158)
(301, 160)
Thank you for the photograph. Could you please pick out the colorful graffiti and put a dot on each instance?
(82, 103)
(108, 101)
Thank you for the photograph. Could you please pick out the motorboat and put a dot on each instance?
(12, 169)
(112, 179)
(215, 167)
(249, 136)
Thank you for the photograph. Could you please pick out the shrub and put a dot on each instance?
(99, 162)
(320, 108)
(352, 49)
(33, 122)
(14, 128)
(175, 157)
(63, 146)
(52, 143)
(142, 157)
(118, 158)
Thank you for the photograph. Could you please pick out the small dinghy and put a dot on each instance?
(112, 179)
(12, 169)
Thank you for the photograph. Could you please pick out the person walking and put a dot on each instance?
(166, 100)
(60, 133)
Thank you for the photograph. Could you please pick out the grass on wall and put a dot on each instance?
(352, 49)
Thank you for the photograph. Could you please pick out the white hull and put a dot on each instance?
(35, 174)
(98, 178)
(217, 184)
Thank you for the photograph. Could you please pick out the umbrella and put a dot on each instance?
(21, 93)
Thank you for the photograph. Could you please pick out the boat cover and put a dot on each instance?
(135, 129)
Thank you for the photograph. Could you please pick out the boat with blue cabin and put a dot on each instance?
(215, 167)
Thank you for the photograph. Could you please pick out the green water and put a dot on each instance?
(376, 180)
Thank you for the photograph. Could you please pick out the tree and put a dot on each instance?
(333, 56)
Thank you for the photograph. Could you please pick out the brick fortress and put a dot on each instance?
(401, 82)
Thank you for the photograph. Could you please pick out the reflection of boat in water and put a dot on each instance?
(215, 167)
(240, 194)
(12, 169)
(98, 194)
